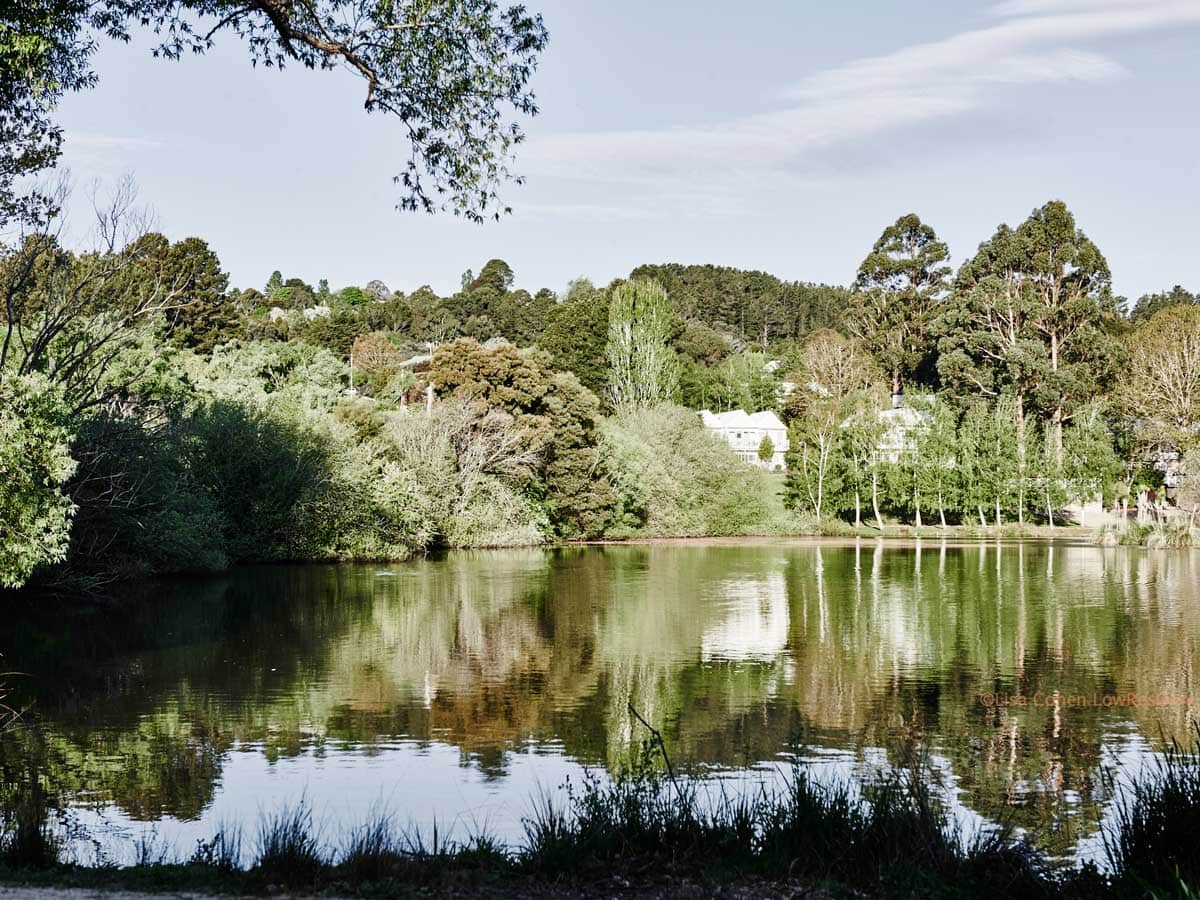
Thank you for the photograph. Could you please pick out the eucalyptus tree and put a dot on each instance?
(897, 293)
(1071, 287)
(1029, 318)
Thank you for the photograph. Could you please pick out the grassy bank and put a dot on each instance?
(892, 838)
(1153, 536)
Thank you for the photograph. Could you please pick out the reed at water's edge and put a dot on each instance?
(892, 837)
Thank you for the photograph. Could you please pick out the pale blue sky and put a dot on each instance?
(766, 134)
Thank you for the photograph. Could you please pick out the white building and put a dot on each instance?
(902, 425)
(745, 432)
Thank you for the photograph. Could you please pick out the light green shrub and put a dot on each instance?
(676, 478)
(35, 462)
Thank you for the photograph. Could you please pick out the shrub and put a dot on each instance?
(675, 478)
(35, 514)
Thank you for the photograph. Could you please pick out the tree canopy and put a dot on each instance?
(455, 72)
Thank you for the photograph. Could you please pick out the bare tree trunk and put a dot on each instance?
(982, 520)
(941, 509)
(1050, 508)
(857, 509)
(998, 522)
(875, 499)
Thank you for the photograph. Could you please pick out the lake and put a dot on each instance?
(459, 689)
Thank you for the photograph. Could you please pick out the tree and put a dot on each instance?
(747, 306)
(832, 365)
(449, 70)
(1161, 388)
(1149, 304)
(897, 292)
(766, 449)
(336, 332)
(814, 457)
(377, 358)
(742, 382)
(1188, 493)
(861, 432)
(35, 514)
(576, 335)
(1030, 318)
(937, 473)
(558, 417)
(1071, 287)
(1090, 465)
(643, 370)
(70, 315)
(206, 315)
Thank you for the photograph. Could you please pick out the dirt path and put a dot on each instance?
(617, 890)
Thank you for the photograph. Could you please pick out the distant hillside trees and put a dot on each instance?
(753, 307)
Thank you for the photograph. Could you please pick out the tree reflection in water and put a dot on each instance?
(740, 652)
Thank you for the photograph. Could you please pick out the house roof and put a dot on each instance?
(739, 418)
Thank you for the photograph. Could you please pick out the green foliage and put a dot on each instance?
(741, 381)
(766, 449)
(1031, 317)
(1148, 304)
(35, 514)
(642, 369)
(576, 335)
(750, 306)
(558, 419)
(451, 80)
(897, 292)
(677, 479)
(142, 508)
(200, 313)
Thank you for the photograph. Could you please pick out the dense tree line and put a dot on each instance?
(1027, 385)
(156, 419)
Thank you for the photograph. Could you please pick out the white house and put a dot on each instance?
(745, 432)
(902, 424)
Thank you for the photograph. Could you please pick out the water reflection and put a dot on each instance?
(482, 674)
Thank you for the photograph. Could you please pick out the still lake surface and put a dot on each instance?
(456, 690)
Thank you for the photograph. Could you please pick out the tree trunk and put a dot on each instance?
(857, 509)
(875, 499)
(918, 513)
(1050, 508)
(895, 381)
(998, 522)
(982, 520)
(941, 510)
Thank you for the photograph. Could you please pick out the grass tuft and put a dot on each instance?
(289, 849)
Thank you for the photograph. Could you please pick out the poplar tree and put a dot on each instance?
(937, 470)
(643, 370)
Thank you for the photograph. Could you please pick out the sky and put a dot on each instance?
(778, 135)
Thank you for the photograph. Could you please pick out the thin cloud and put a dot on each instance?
(92, 141)
(1035, 42)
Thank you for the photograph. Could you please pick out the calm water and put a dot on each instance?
(456, 689)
